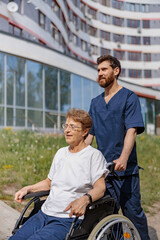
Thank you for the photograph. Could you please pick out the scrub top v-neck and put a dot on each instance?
(112, 120)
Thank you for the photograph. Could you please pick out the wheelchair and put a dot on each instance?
(99, 223)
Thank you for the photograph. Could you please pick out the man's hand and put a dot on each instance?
(78, 206)
(121, 164)
(20, 194)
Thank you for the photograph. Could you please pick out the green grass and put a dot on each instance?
(148, 149)
(25, 158)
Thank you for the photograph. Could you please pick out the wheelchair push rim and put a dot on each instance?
(114, 227)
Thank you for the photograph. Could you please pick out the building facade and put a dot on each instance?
(48, 55)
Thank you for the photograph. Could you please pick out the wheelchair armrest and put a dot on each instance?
(36, 194)
(99, 201)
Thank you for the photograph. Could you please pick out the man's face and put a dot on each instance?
(106, 74)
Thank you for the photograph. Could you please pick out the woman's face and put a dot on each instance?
(74, 134)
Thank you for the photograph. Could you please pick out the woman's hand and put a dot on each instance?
(78, 206)
(21, 193)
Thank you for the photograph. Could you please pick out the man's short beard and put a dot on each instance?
(107, 83)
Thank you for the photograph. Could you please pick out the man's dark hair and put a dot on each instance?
(114, 62)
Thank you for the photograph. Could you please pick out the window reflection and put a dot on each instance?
(9, 116)
(1, 78)
(87, 93)
(76, 91)
(15, 81)
(95, 87)
(1, 116)
(20, 117)
(34, 74)
(63, 120)
(51, 120)
(143, 108)
(65, 91)
(35, 119)
(51, 88)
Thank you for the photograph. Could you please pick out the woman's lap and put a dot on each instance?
(42, 227)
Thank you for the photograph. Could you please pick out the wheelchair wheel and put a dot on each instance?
(114, 227)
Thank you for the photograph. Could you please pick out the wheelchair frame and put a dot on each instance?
(98, 218)
(99, 222)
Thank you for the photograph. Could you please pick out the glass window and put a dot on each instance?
(9, 116)
(118, 38)
(105, 35)
(42, 20)
(137, 7)
(15, 81)
(106, 3)
(145, 8)
(65, 91)
(51, 88)
(76, 91)
(34, 76)
(1, 116)
(117, 4)
(147, 57)
(146, 23)
(134, 56)
(119, 54)
(146, 40)
(123, 72)
(95, 89)
(63, 120)
(15, 30)
(133, 40)
(134, 73)
(143, 108)
(87, 93)
(1, 78)
(20, 117)
(51, 120)
(35, 119)
(118, 21)
(104, 18)
(133, 23)
(150, 111)
(105, 51)
(147, 73)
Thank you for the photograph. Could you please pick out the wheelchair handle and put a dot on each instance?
(110, 167)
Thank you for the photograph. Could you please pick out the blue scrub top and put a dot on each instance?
(111, 122)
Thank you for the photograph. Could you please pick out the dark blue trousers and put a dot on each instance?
(44, 227)
(127, 196)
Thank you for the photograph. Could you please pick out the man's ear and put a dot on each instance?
(116, 71)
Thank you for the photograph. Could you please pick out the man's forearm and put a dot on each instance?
(89, 139)
(121, 162)
(129, 143)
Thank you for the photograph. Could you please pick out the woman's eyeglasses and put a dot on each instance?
(71, 126)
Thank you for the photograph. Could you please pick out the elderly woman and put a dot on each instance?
(76, 178)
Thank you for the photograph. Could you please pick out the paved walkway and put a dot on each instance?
(8, 217)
